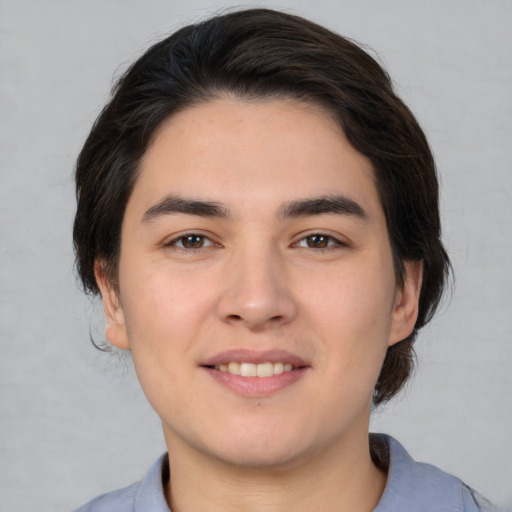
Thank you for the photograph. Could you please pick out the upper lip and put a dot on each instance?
(255, 357)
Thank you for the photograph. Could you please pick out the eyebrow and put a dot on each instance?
(322, 205)
(172, 204)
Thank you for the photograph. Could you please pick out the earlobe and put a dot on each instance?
(405, 310)
(115, 331)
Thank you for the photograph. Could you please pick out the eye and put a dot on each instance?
(319, 241)
(191, 241)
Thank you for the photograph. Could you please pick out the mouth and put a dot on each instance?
(244, 369)
(256, 373)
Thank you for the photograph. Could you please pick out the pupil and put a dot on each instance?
(317, 241)
(193, 241)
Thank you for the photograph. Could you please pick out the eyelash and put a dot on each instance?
(181, 239)
(331, 242)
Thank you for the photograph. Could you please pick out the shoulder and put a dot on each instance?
(144, 496)
(475, 502)
(121, 500)
(419, 487)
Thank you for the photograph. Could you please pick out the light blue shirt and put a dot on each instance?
(411, 487)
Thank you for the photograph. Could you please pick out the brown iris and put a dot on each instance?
(318, 241)
(192, 241)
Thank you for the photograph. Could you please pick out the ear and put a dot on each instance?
(115, 331)
(405, 309)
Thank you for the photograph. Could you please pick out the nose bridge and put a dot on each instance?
(257, 292)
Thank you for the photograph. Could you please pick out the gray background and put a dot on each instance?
(73, 422)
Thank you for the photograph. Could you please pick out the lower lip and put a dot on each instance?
(257, 386)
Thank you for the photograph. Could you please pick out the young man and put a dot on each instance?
(259, 212)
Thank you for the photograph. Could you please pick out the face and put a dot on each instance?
(256, 288)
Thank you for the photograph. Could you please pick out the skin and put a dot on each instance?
(259, 280)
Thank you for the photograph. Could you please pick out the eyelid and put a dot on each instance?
(173, 241)
(338, 240)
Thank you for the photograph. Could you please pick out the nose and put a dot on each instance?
(257, 292)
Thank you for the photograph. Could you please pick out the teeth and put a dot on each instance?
(278, 368)
(234, 368)
(248, 370)
(255, 370)
(265, 370)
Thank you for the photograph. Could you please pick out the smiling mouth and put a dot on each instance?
(266, 369)
(256, 374)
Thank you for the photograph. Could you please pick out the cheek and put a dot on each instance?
(360, 299)
(353, 315)
(156, 296)
(166, 313)
(162, 320)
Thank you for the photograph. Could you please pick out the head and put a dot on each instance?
(252, 56)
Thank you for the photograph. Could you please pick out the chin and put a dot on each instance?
(259, 456)
(276, 448)
(253, 446)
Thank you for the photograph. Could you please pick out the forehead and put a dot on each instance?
(250, 153)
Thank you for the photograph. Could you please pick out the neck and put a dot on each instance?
(342, 477)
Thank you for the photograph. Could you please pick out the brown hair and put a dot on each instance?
(254, 54)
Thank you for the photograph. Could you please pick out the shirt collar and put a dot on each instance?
(416, 487)
(411, 486)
